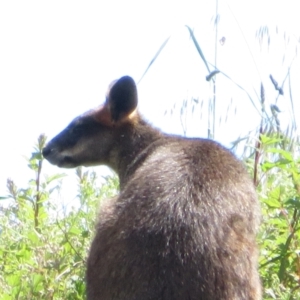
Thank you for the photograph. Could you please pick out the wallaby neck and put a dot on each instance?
(137, 142)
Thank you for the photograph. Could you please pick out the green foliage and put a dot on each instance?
(43, 246)
(279, 191)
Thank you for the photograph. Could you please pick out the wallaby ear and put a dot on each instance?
(122, 98)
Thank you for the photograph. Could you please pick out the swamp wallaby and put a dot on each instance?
(184, 224)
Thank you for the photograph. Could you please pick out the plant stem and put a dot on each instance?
(38, 197)
(215, 77)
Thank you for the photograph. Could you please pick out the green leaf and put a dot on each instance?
(37, 279)
(267, 165)
(155, 57)
(272, 202)
(285, 154)
(51, 178)
(198, 47)
(293, 203)
(274, 197)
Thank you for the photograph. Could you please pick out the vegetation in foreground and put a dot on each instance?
(44, 245)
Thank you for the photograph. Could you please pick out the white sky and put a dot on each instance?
(58, 57)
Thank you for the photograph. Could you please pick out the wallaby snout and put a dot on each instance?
(184, 224)
(91, 139)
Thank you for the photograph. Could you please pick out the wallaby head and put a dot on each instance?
(93, 138)
(184, 224)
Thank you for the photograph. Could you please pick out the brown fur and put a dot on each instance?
(184, 224)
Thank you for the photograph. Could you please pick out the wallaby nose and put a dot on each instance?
(46, 151)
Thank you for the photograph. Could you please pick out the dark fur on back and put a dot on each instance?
(183, 227)
(184, 224)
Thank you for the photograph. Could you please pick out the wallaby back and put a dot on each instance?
(184, 224)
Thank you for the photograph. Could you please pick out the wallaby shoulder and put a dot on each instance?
(184, 205)
(176, 155)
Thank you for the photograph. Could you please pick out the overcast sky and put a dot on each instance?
(58, 57)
